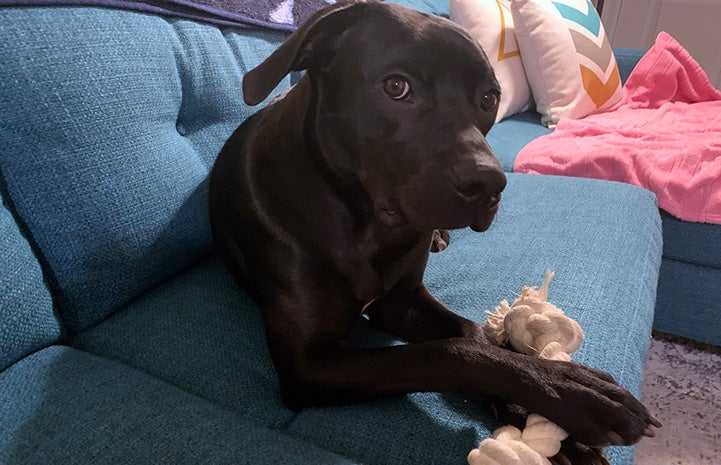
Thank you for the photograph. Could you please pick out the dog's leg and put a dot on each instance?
(573, 453)
(416, 316)
(307, 342)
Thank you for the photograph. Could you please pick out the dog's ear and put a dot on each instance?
(312, 41)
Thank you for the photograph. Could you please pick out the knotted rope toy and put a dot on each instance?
(536, 327)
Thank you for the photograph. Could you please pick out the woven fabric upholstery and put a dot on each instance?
(63, 406)
(690, 280)
(606, 258)
(602, 239)
(27, 320)
(626, 58)
(509, 136)
(202, 333)
(437, 7)
(694, 243)
(109, 122)
(688, 301)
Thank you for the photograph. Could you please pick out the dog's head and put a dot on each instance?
(402, 102)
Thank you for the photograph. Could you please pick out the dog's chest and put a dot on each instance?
(385, 269)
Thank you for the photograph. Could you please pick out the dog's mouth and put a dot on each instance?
(475, 199)
(484, 218)
(479, 220)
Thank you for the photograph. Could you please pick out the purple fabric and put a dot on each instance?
(283, 15)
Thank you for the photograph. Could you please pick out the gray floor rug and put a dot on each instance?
(682, 387)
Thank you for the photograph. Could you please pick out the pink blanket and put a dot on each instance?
(664, 136)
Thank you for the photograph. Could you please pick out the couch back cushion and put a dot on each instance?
(27, 320)
(110, 121)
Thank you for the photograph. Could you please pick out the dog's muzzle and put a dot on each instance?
(481, 188)
(485, 217)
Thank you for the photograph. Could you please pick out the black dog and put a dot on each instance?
(324, 205)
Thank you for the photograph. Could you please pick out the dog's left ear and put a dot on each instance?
(312, 41)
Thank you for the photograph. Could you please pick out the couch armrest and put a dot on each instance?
(627, 59)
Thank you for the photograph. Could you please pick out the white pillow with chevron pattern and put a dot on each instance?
(568, 59)
(490, 22)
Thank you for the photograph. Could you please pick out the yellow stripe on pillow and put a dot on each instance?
(599, 91)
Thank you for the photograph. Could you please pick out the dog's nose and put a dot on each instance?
(481, 182)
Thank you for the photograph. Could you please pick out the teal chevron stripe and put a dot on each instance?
(590, 21)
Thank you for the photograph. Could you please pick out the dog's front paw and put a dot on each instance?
(573, 453)
(591, 406)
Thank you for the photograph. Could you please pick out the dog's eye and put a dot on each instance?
(396, 88)
(489, 101)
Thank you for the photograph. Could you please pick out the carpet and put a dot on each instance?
(682, 388)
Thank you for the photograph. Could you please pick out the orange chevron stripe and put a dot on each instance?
(599, 91)
(502, 54)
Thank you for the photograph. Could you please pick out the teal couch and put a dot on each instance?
(123, 340)
(687, 302)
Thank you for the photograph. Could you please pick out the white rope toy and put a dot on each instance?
(533, 326)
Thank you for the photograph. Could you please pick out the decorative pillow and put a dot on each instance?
(568, 59)
(490, 22)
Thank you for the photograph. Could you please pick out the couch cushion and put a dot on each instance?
(627, 58)
(27, 320)
(694, 243)
(65, 406)
(602, 239)
(202, 333)
(688, 301)
(436, 7)
(512, 134)
(509, 136)
(108, 135)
